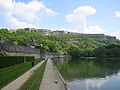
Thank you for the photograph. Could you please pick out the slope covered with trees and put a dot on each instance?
(74, 44)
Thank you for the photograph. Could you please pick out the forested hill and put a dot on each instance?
(70, 43)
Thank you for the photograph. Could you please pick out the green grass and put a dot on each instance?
(33, 83)
(38, 60)
(11, 73)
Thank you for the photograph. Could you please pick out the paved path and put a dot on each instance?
(51, 79)
(15, 85)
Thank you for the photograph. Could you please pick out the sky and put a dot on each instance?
(82, 16)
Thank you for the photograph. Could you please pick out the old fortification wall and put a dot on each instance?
(16, 50)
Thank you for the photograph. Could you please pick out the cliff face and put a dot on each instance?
(103, 37)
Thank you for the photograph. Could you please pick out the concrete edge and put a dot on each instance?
(67, 88)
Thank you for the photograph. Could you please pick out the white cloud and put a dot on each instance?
(117, 14)
(26, 11)
(6, 6)
(95, 29)
(50, 12)
(84, 11)
(80, 13)
(15, 23)
(96, 82)
(86, 84)
(78, 19)
(117, 34)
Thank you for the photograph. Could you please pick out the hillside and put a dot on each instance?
(71, 43)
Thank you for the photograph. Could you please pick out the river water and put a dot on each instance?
(90, 74)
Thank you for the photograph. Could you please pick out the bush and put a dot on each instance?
(2, 53)
(109, 51)
(6, 61)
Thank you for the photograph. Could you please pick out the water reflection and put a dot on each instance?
(90, 74)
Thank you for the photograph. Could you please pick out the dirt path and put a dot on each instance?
(51, 80)
(15, 85)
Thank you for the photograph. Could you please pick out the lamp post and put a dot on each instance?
(41, 45)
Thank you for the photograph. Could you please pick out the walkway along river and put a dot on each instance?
(15, 85)
(52, 80)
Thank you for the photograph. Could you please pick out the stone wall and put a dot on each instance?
(105, 37)
(16, 50)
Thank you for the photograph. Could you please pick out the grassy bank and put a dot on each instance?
(33, 83)
(11, 73)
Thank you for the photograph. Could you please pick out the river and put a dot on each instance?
(90, 74)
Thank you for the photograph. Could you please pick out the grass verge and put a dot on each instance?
(9, 74)
(33, 83)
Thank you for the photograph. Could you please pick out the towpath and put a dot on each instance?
(51, 79)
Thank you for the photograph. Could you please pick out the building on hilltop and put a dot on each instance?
(44, 31)
(59, 32)
(104, 37)
(29, 29)
(12, 30)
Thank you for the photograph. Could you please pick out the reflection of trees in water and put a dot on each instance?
(61, 59)
(88, 68)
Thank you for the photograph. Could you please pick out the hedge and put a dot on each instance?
(6, 61)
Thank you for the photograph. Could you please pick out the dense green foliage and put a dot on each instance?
(6, 61)
(2, 53)
(73, 44)
(33, 83)
(9, 74)
(109, 51)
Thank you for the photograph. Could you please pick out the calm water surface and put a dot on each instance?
(90, 74)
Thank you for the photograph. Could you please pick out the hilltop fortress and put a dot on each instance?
(112, 39)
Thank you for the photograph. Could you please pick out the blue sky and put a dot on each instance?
(84, 16)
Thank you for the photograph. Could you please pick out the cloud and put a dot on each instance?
(95, 29)
(88, 83)
(117, 34)
(31, 11)
(49, 11)
(96, 82)
(15, 23)
(78, 21)
(6, 6)
(78, 18)
(117, 14)
(28, 11)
